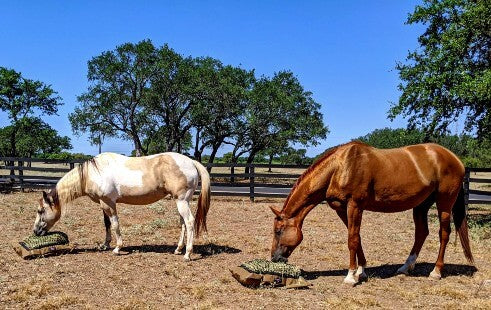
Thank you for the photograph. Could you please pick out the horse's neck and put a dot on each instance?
(70, 186)
(308, 192)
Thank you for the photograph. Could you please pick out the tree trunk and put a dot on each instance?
(270, 162)
(197, 152)
(250, 159)
(213, 155)
(13, 148)
(138, 147)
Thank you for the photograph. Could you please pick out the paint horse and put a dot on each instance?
(111, 178)
(355, 177)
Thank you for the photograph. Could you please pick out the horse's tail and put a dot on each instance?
(460, 221)
(203, 200)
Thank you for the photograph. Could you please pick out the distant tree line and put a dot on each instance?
(472, 152)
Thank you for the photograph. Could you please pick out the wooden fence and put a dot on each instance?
(230, 180)
(477, 196)
(30, 173)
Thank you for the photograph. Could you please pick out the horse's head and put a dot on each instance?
(48, 213)
(287, 236)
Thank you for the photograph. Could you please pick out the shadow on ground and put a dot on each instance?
(204, 250)
(389, 271)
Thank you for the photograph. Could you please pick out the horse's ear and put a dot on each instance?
(45, 197)
(276, 212)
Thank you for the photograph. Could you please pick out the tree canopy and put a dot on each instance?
(449, 76)
(279, 112)
(115, 103)
(32, 137)
(21, 99)
(160, 100)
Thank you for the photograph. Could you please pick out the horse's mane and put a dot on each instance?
(72, 185)
(321, 159)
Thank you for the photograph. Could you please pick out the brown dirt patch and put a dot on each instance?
(151, 277)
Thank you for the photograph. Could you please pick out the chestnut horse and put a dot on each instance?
(111, 178)
(355, 177)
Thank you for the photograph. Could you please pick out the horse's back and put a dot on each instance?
(399, 178)
(142, 180)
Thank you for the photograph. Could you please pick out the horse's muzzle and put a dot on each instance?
(39, 231)
(278, 257)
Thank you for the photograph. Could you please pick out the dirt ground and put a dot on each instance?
(150, 276)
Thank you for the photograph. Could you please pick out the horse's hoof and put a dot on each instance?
(350, 281)
(403, 271)
(187, 258)
(103, 247)
(362, 277)
(434, 275)
(116, 251)
(177, 252)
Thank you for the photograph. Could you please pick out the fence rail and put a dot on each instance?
(19, 174)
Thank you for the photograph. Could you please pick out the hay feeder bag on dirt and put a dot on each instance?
(263, 273)
(52, 243)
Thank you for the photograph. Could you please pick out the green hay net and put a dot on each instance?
(49, 239)
(262, 266)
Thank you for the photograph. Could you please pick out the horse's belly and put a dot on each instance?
(398, 201)
(142, 198)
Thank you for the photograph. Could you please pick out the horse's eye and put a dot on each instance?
(40, 211)
(277, 232)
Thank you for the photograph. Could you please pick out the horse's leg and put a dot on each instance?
(180, 245)
(107, 225)
(362, 262)
(444, 216)
(109, 209)
(187, 215)
(420, 217)
(354, 240)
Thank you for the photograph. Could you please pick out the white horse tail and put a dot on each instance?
(204, 198)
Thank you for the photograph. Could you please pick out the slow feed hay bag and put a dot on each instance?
(263, 273)
(51, 243)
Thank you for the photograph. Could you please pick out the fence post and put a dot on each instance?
(12, 171)
(72, 165)
(20, 163)
(232, 173)
(251, 183)
(466, 186)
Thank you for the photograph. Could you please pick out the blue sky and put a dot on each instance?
(343, 51)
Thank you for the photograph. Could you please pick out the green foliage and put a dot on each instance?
(65, 156)
(279, 112)
(155, 97)
(472, 152)
(450, 74)
(32, 136)
(228, 158)
(220, 99)
(391, 138)
(295, 156)
(21, 98)
(114, 105)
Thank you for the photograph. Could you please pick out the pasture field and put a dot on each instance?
(150, 276)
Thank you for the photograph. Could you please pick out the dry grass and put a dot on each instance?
(150, 276)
